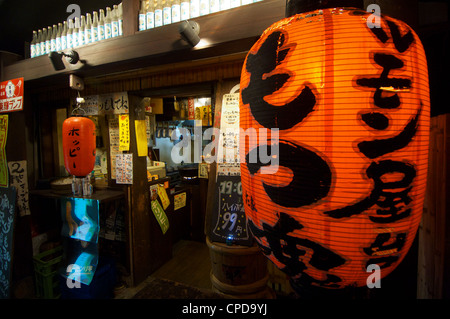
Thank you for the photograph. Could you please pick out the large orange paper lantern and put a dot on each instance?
(79, 145)
(351, 104)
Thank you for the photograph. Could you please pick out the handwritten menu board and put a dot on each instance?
(124, 132)
(18, 179)
(113, 125)
(229, 224)
(124, 168)
(7, 206)
(228, 147)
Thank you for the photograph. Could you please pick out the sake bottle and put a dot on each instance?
(158, 13)
(225, 4)
(108, 23)
(43, 38)
(176, 11)
(235, 3)
(75, 31)
(53, 38)
(150, 15)
(88, 29)
(120, 18)
(38, 42)
(70, 34)
(167, 12)
(142, 16)
(214, 6)
(48, 40)
(204, 7)
(114, 22)
(33, 45)
(184, 10)
(64, 36)
(94, 28)
(81, 33)
(195, 8)
(58, 37)
(101, 25)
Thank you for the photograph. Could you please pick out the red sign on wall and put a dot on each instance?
(11, 95)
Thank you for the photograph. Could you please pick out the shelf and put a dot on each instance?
(225, 32)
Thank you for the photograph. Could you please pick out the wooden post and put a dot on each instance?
(130, 16)
(434, 239)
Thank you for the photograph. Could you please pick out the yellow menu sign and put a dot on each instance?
(124, 132)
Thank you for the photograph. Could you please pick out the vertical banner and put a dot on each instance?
(141, 137)
(160, 215)
(124, 132)
(113, 124)
(3, 138)
(18, 179)
(191, 108)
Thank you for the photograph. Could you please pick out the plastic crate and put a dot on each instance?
(46, 266)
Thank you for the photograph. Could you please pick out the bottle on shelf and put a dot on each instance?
(64, 36)
(176, 11)
(184, 10)
(214, 6)
(53, 38)
(167, 12)
(150, 15)
(235, 3)
(158, 13)
(70, 34)
(195, 8)
(75, 31)
(38, 42)
(33, 45)
(114, 22)
(94, 28)
(120, 18)
(204, 7)
(48, 40)
(58, 37)
(142, 15)
(225, 4)
(88, 29)
(108, 23)
(101, 25)
(81, 33)
(44, 39)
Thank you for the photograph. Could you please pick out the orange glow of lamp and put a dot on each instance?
(351, 105)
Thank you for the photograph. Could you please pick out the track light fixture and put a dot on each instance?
(56, 58)
(189, 31)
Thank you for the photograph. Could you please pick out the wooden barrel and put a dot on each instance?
(239, 271)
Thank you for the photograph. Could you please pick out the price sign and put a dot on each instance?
(229, 222)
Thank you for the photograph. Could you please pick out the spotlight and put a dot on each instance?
(56, 57)
(189, 31)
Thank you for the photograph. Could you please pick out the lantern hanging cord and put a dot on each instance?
(80, 100)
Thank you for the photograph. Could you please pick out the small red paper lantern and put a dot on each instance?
(79, 145)
(352, 107)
